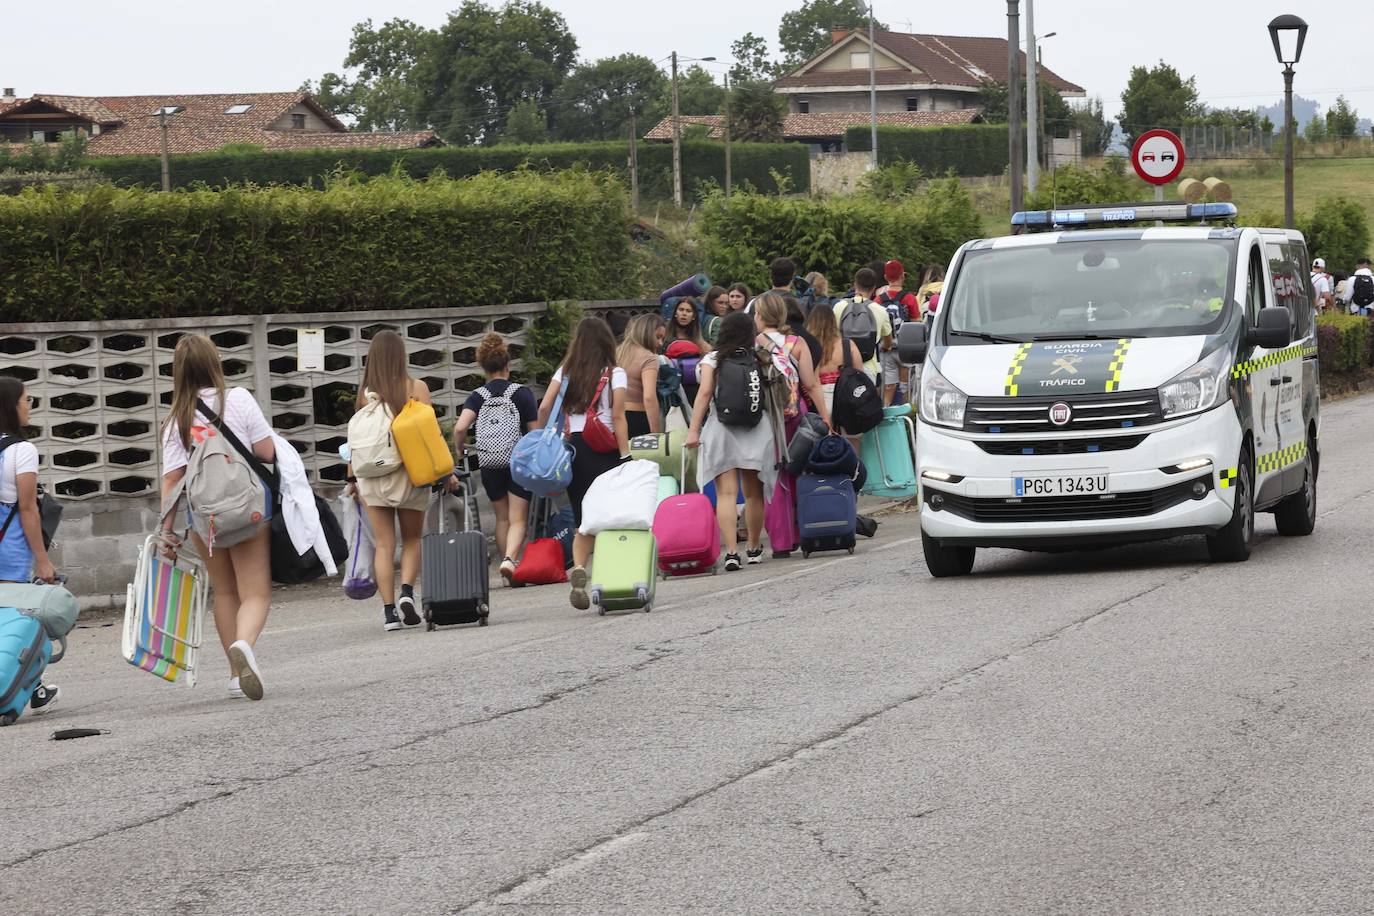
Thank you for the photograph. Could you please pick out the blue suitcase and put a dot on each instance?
(25, 650)
(827, 513)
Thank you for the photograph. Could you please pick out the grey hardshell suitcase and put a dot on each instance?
(454, 588)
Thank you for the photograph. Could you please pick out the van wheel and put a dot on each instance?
(1296, 516)
(944, 562)
(1232, 543)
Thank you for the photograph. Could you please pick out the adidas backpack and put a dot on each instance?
(739, 389)
(498, 427)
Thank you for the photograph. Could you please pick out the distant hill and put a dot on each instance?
(1304, 110)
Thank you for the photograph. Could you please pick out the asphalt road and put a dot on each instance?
(1128, 731)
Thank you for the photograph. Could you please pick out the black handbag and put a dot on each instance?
(288, 566)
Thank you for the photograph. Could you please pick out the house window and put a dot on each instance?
(803, 106)
(858, 60)
(237, 109)
(298, 122)
(913, 104)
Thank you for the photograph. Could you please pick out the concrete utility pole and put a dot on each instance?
(677, 141)
(1032, 102)
(872, 92)
(728, 163)
(1014, 163)
(634, 163)
(166, 163)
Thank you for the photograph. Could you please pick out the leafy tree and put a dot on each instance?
(486, 60)
(698, 93)
(750, 54)
(756, 112)
(526, 124)
(1266, 126)
(1337, 230)
(595, 101)
(1342, 121)
(1315, 131)
(805, 32)
(1156, 97)
(384, 95)
(1096, 130)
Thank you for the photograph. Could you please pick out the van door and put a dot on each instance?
(1265, 379)
(1298, 392)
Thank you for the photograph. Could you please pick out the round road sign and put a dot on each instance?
(1157, 156)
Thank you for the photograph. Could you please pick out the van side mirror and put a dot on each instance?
(1274, 330)
(912, 342)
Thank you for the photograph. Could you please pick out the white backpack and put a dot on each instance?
(372, 451)
(498, 427)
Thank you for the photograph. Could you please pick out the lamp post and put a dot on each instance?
(1032, 102)
(1288, 33)
(1039, 63)
(1014, 161)
(872, 95)
(677, 134)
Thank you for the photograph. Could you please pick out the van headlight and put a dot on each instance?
(1198, 388)
(941, 402)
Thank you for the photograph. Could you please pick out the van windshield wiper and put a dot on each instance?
(1048, 337)
(990, 338)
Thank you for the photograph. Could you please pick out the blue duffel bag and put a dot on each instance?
(542, 461)
(25, 651)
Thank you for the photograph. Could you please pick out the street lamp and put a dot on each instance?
(1288, 33)
(677, 133)
(1037, 51)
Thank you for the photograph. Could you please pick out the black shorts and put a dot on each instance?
(498, 484)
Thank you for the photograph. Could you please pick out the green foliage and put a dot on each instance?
(1343, 342)
(1154, 97)
(756, 112)
(1091, 120)
(698, 93)
(1058, 116)
(383, 244)
(547, 339)
(1337, 230)
(750, 54)
(64, 157)
(1072, 185)
(386, 93)
(805, 32)
(526, 124)
(1342, 121)
(594, 103)
(1315, 131)
(836, 236)
(969, 149)
(896, 179)
(700, 160)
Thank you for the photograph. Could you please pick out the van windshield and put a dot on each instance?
(1092, 288)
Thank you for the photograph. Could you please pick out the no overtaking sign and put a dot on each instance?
(1157, 156)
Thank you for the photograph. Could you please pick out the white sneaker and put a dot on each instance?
(242, 662)
(235, 691)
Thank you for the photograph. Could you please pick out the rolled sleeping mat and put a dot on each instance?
(692, 286)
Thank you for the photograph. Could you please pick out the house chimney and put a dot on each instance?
(838, 35)
(8, 96)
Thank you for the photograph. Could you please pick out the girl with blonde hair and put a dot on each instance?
(638, 356)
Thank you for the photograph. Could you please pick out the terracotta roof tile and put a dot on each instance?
(828, 124)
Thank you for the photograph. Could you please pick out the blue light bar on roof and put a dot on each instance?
(1122, 213)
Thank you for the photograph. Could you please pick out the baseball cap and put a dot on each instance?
(893, 269)
(1319, 262)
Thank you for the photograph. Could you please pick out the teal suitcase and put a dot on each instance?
(667, 451)
(667, 488)
(889, 454)
(624, 571)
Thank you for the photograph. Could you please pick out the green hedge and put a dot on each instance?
(835, 236)
(1344, 342)
(383, 244)
(968, 149)
(702, 161)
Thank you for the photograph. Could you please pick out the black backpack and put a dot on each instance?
(858, 324)
(739, 390)
(1362, 293)
(858, 406)
(894, 309)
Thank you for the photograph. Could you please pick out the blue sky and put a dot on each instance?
(146, 46)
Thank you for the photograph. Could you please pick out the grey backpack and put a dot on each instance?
(858, 324)
(226, 498)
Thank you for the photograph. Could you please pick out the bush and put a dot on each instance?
(701, 161)
(1338, 231)
(968, 149)
(835, 236)
(1073, 185)
(389, 243)
(1343, 342)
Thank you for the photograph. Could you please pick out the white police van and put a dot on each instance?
(1090, 383)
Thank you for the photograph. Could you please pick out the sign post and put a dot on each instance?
(1157, 158)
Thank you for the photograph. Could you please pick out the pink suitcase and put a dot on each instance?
(687, 536)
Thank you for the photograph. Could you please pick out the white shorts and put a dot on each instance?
(892, 366)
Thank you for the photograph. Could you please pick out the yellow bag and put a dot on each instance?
(421, 443)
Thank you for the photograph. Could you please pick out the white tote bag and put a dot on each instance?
(623, 498)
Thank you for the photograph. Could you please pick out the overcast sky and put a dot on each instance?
(96, 47)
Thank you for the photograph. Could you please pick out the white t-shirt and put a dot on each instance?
(19, 458)
(241, 414)
(605, 410)
(1321, 284)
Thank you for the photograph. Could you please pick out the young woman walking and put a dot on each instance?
(392, 501)
(638, 357)
(717, 307)
(23, 557)
(496, 436)
(822, 326)
(240, 576)
(596, 388)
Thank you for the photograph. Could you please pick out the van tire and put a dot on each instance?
(1232, 543)
(945, 562)
(1296, 516)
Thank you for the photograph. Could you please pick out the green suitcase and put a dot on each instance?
(666, 450)
(624, 571)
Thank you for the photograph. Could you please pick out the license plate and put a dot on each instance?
(1061, 484)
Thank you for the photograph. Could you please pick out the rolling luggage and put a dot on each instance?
(889, 454)
(454, 587)
(164, 612)
(686, 535)
(624, 571)
(25, 651)
(421, 443)
(826, 513)
(667, 451)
